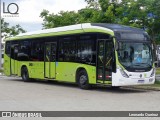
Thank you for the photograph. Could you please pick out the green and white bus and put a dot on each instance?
(86, 54)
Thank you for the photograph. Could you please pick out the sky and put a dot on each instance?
(29, 11)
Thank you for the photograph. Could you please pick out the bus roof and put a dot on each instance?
(73, 29)
(118, 27)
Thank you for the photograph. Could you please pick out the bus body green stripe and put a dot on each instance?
(60, 33)
(99, 30)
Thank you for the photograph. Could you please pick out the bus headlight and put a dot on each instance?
(124, 74)
(153, 72)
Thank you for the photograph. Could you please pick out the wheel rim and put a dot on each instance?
(83, 79)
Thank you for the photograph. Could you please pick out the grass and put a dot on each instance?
(156, 84)
(157, 71)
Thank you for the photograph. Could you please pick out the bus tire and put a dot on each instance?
(83, 82)
(25, 74)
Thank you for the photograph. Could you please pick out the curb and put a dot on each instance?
(153, 88)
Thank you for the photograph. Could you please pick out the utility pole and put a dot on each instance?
(0, 38)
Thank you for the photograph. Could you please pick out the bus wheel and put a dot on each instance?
(24, 74)
(83, 80)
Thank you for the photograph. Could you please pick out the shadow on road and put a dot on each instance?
(123, 90)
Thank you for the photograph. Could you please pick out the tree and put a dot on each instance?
(61, 19)
(154, 20)
(93, 4)
(143, 14)
(89, 15)
(107, 9)
(8, 31)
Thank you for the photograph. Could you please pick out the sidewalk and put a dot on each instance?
(154, 87)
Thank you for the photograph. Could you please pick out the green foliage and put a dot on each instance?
(89, 15)
(157, 71)
(8, 31)
(143, 14)
(61, 19)
(93, 4)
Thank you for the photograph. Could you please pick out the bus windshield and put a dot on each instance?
(135, 55)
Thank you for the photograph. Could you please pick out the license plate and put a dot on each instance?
(140, 81)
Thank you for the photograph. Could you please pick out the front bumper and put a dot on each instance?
(135, 79)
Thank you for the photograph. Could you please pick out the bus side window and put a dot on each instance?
(24, 51)
(37, 51)
(67, 49)
(86, 49)
(60, 52)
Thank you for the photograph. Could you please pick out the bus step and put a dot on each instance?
(104, 82)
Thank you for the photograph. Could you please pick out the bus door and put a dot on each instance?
(104, 59)
(50, 60)
(14, 62)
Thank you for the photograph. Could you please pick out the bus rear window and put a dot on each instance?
(7, 48)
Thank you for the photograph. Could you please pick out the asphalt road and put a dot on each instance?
(16, 95)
